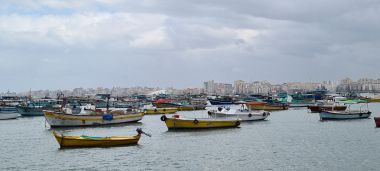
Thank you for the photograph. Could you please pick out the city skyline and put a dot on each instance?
(200, 85)
(222, 88)
(68, 44)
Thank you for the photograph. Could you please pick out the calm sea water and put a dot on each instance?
(288, 140)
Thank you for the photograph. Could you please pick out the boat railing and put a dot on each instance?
(362, 106)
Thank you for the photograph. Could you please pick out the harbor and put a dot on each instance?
(189, 85)
(293, 139)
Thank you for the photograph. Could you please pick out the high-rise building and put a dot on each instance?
(209, 87)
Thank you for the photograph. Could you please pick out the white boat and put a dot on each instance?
(324, 115)
(347, 114)
(243, 113)
(8, 113)
(56, 119)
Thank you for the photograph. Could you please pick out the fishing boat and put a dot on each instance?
(324, 115)
(225, 100)
(153, 111)
(36, 108)
(92, 141)
(60, 119)
(267, 106)
(300, 100)
(10, 100)
(377, 121)
(8, 113)
(177, 122)
(347, 114)
(243, 113)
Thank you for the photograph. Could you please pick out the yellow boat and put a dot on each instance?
(160, 111)
(90, 141)
(177, 122)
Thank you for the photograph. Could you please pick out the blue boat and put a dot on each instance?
(36, 108)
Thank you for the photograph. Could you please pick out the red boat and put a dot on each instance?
(317, 109)
(377, 121)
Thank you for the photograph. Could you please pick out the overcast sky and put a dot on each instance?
(46, 44)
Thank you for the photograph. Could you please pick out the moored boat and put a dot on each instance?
(168, 103)
(91, 141)
(59, 119)
(225, 100)
(377, 121)
(35, 111)
(177, 122)
(325, 115)
(243, 113)
(267, 106)
(36, 108)
(347, 114)
(8, 113)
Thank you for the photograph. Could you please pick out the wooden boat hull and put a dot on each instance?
(377, 121)
(269, 107)
(243, 116)
(317, 109)
(182, 123)
(86, 141)
(67, 120)
(160, 111)
(340, 115)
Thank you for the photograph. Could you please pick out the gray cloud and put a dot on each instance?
(67, 44)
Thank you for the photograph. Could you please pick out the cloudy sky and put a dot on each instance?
(47, 44)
